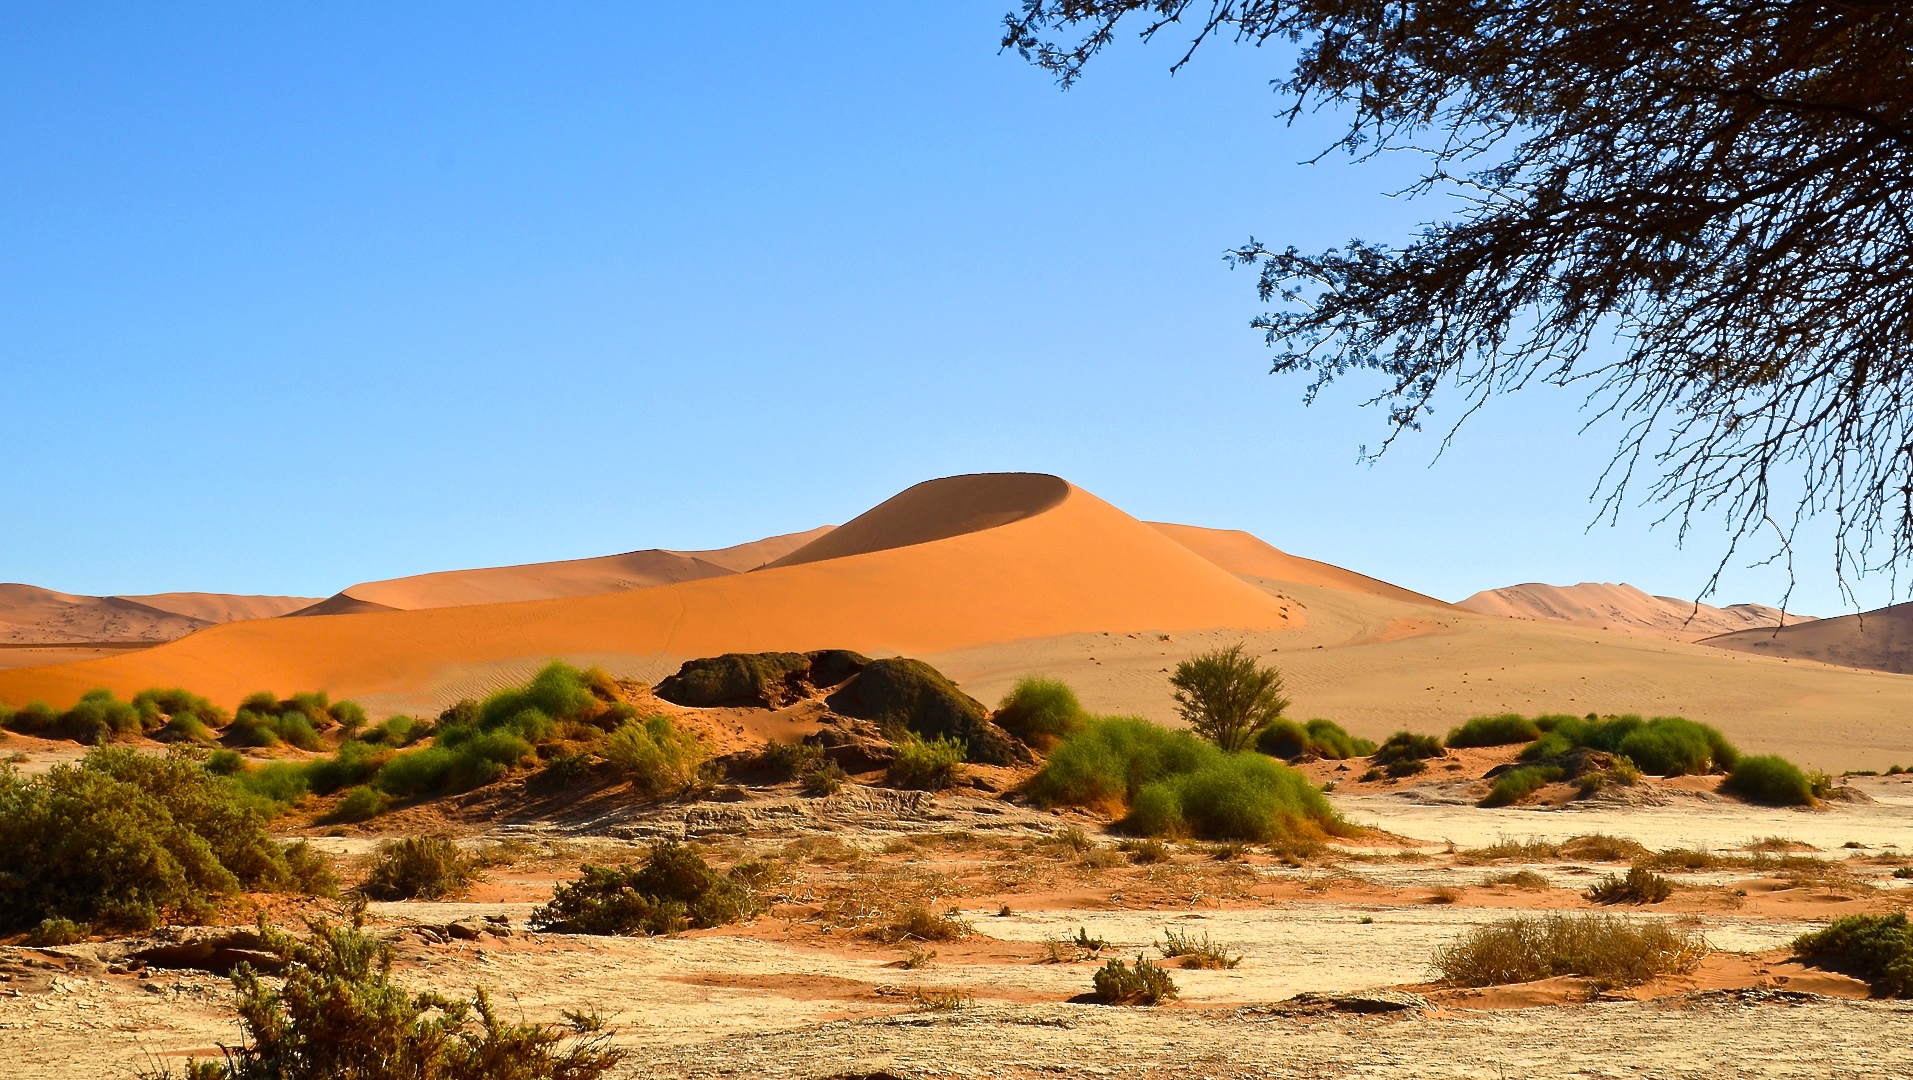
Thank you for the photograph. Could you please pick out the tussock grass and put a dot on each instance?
(654, 755)
(419, 868)
(1501, 730)
(1406, 746)
(1146, 852)
(1519, 879)
(1315, 738)
(1041, 712)
(918, 923)
(674, 890)
(1517, 784)
(1613, 951)
(1665, 745)
(931, 765)
(1770, 779)
(1194, 952)
(1640, 886)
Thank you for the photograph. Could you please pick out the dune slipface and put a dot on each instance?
(948, 564)
(1249, 555)
(1879, 640)
(1622, 607)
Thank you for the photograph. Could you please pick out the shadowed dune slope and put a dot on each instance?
(1879, 640)
(1077, 565)
(32, 615)
(1246, 554)
(1622, 607)
(550, 580)
(936, 510)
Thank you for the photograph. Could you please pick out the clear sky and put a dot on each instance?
(296, 295)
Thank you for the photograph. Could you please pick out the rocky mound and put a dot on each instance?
(771, 679)
(911, 695)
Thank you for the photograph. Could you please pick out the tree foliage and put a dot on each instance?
(1225, 695)
(1724, 185)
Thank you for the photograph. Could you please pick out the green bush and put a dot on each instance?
(790, 760)
(1407, 746)
(126, 840)
(1877, 948)
(395, 731)
(1665, 745)
(675, 889)
(658, 758)
(909, 695)
(1108, 762)
(52, 933)
(558, 692)
(1640, 886)
(1284, 739)
(1500, 730)
(225, 762)
(278, 783)
(932, 765)
(1041, 712)
(419, 868)
(360, 804)
(1331, 742)
(1289, 740)
(1226, 696)
(1517, 784)
(338, 1014)
(1770, 779)
(826, 779)
(355, 763)
(1145, 984)
(176, 715)
(1232, 797)
(35, 718)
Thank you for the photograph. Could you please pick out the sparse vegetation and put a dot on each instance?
(790, 760)
(1770, 779)
(1319, 738)
(419, 868)
(1664, 746)
(1500, 730)
(1517, 784)
(1877, 948)
(919, 923)
(263, 720)
(674, 890)
(826, 779)
(654, 755)
(1145, 984)
(1640, 886)
(1519, 879)
(1145, 852)
(338, 1014)
(1226, 696)
(931, 765)
(129, 840)
(1196, 952)
(1041, 712)
(902, 695)
(1404, 746)
(1611, 950)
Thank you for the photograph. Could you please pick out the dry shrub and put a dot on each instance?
(1146, 852)
(1600, 847)
(1640, 886)
(1520, 879)
(1510, 850)
(1443, 894)
(1197, 952)
(1612, 950)
(948, 1000)
(419, 868)
(1145, 984)
(919, 923)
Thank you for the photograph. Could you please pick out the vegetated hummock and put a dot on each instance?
(1041, 712)
(1611, 950)
(674, 890)
(1877, 948)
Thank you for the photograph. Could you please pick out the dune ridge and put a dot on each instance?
(30, 615)
(1069, 566)
(1623, 607)
(1247, 555)
(1878, 640)
(550, 580)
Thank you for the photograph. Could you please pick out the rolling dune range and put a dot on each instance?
(996, 576)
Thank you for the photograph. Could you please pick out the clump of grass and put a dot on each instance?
(275, 784)
(1147, 983)
(674, 890)
(1041, 712)
(338, 1010)
(915, 956)
(1406, 746)
(827, 779)
(930, 765)
(1600, 847)
(1519, 879)
(654, 755)
(1613, 951)
(1501, 730)
(419, 868)
(919, 923)
(1443, 894)
(1196, 952)
(1233, 797)
(1664, 746)
(55, 932)
(1314, 739)
(125, 840)
(1877, 948)
(1517, 784)
(950, 1000)
(790, 760)
(1145, 852)
(360, 804)
(1640, 886)
(1770, 779)
(1070, 837)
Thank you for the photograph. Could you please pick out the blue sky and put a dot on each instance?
(293, 296)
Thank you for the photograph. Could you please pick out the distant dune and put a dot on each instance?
(1622, 607)
(30, 615)
(1247, 555)
(948, 564)
(1880, 640)
(550, 580)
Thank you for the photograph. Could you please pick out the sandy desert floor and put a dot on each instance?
(1334, 979)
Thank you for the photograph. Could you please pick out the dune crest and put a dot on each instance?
(1072, 565)
(32, 615)
(1623, 607)
(936, 510)
(550, 580)
(1879, 640)
(1248, 555)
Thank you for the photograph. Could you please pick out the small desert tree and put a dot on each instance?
(1226, 695)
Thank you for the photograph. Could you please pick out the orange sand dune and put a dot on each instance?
(1879, 640)
(1065, 562)
(546, 581)
(1246, 554)
(32, 615)
(1622, 607)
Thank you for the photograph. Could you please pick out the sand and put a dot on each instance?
(1880, 640)
(1604, 605)
(32, 615)
(1069, 566)
(1247, 555)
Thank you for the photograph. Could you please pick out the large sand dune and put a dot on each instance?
(1248, 555)
(32, 615)
(1879, 640)
(551, 580)
(1040, 558)
(1622, 607)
